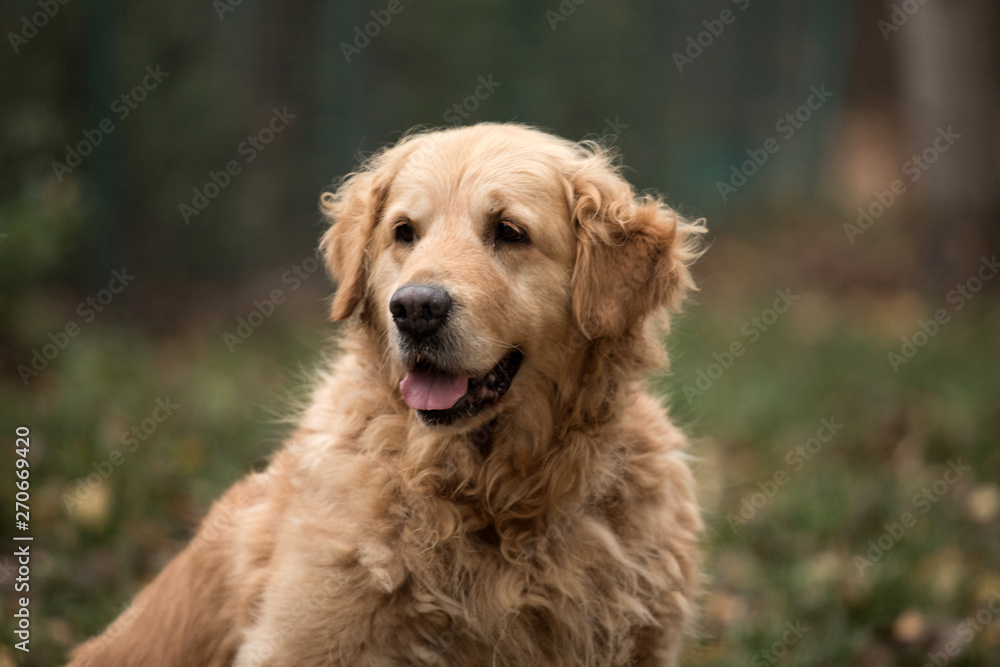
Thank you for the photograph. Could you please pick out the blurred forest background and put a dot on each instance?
(844, 153)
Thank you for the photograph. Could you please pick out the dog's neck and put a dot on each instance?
(482, 437)
(553, 452)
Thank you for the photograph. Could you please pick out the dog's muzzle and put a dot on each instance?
(441, 398)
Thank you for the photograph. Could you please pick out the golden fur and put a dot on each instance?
(556, 527)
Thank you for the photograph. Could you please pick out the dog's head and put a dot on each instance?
(482, 258)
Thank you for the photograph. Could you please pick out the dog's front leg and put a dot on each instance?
(191, 613)
(322, 605)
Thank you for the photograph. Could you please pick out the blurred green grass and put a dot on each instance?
(791, 563)
(794, 559)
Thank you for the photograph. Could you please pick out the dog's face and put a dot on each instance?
(470, 271)
(483, 256)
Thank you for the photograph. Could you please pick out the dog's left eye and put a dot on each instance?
(506, 232)
(403, 232)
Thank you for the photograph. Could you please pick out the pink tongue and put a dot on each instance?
(433, 391)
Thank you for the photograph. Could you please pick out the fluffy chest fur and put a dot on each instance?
(578, 595)
(565, 552)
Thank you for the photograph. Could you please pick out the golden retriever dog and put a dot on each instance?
(480, 477)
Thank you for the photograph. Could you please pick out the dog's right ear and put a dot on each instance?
(353, 211)
(633, 252)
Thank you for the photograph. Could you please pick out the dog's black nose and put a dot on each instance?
(419, 310)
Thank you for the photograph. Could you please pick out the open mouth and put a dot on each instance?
(440, 397)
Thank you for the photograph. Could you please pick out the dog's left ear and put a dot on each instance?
(353, 211)
(632, 252)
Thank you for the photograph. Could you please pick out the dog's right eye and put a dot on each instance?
(506, 232)
(403, 232)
